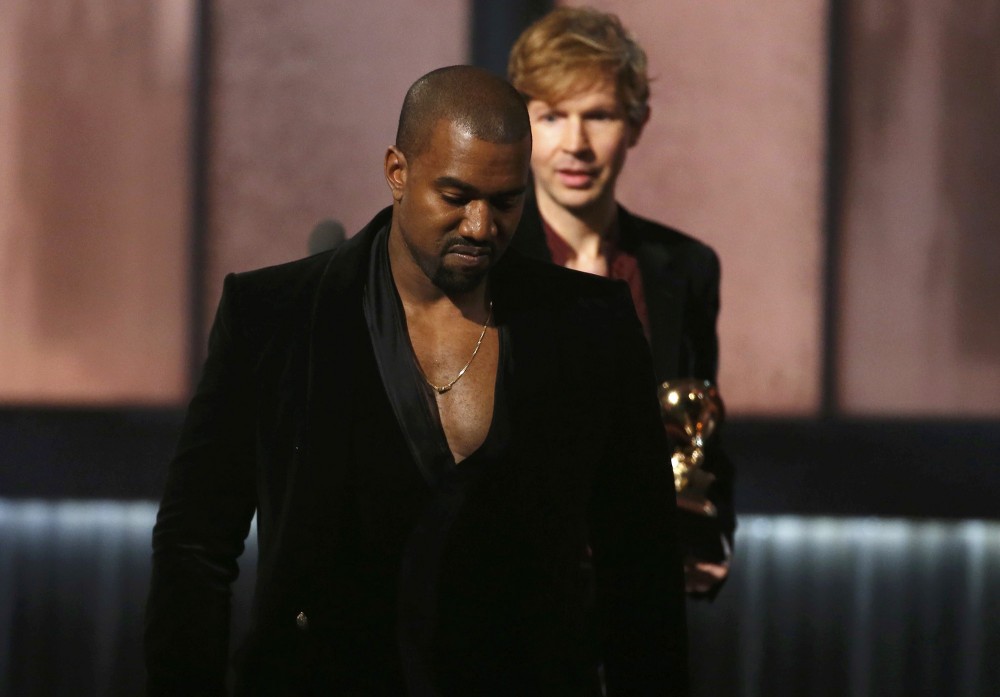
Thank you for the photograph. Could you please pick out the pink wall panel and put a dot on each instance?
(306, 94)
(920, 325)
(94, 192)
(734, 154)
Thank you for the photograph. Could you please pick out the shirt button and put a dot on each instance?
(301, 621)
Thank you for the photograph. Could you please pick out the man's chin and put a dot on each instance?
(456, 282)
(577, 200)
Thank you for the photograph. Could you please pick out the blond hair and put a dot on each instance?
(573, 48)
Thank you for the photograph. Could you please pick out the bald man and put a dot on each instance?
(454, 454)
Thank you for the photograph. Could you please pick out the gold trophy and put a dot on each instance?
(691, 411)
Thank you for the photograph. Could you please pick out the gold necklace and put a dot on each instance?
(444, 388)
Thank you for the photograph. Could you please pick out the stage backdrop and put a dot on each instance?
(94, 191)
(897, 292)
(734, 154)
(305, 96)
(919, 280)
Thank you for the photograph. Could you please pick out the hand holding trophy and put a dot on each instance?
(691, 411)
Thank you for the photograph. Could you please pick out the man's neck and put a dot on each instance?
(582, 229)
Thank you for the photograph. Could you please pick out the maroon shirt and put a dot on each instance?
(621, 265)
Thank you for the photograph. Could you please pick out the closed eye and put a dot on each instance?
(506, 203)
(456, 200)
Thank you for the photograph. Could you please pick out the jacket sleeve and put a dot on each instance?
(701, 316)
(203, 520)
(640, 604)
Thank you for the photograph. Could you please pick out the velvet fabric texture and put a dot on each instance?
(269, 430)
(680, 280)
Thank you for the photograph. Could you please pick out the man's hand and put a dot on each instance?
(702, 576)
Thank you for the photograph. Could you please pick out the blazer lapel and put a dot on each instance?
(664, 291)
(337, 333)
(529, 239)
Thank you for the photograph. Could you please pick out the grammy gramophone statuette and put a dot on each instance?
(691, 411)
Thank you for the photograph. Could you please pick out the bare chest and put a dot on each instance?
(465, 404)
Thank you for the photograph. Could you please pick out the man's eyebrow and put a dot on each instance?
(471, 191)
(453, 183)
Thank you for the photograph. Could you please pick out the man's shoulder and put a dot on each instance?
(283, 283)
(298, 280)
(544, 285)
(643, 232)
(284, 272)
(532, 270)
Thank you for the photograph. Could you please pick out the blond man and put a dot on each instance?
(584, 78)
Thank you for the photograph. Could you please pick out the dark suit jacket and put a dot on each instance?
(680, 281)
(265, 432)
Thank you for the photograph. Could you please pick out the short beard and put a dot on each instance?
(455, 282)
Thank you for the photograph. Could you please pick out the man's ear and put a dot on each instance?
(395, 172)
(637, 128)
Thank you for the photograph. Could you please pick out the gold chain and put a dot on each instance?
(444, 388)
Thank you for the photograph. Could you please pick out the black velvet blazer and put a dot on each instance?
(680, 281)
(587, 463)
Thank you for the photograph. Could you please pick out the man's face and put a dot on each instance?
(579, 146)
(457, 204)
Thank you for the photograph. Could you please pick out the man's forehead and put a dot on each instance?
(459, 131)
(452, 130)
(455, 151)
(589, 88)
(453, 136)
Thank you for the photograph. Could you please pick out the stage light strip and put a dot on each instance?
(882, 598)
(784, 532)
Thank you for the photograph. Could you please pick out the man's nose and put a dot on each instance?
(480, 223)
(574, 136)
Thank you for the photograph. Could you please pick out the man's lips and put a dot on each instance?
(576, 178)
(469, 250)
(472, 255)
